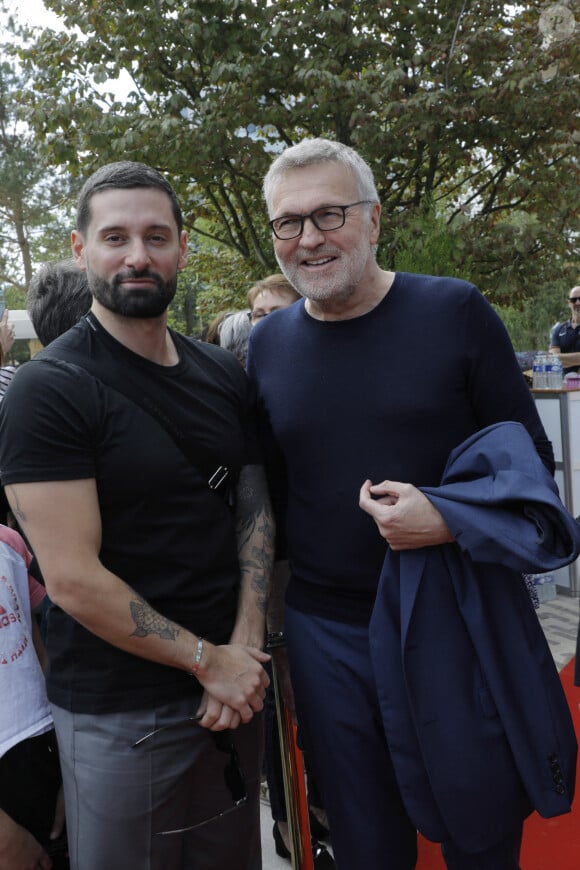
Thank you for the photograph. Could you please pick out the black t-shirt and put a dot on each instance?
(164, 532)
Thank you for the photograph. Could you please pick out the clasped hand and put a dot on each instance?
(403, 515)
(235, 686)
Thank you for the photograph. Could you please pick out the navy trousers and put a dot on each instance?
(342, 732)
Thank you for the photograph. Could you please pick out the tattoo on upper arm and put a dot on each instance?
(255, 532)
(147, 621)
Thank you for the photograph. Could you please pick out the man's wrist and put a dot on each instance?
(200, 658)
(197, 656)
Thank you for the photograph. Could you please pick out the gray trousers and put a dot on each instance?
(123, 800)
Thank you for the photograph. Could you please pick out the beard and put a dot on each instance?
(340, 288)
(139, 304)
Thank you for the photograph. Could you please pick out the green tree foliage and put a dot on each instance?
(467, 108)
(428, 244)
(33, 195)
(216, 279)
(530, 323)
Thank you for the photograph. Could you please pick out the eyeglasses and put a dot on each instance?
(575, 300)
(233, 775)
(325, 219)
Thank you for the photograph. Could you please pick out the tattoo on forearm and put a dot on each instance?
(256, 560)
(148, 622)
(255, 532)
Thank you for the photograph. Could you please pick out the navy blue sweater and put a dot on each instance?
(384, 396)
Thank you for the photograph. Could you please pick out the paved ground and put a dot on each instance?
(270, 861)
(559, 619)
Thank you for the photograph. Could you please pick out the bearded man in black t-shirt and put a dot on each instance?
(129, 460)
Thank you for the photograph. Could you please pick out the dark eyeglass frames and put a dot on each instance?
(233, 776)
(325, 219)
(575, 300)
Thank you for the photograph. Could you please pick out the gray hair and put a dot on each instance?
(234, 331)
(311, 152)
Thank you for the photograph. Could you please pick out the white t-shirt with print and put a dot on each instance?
(24, 711)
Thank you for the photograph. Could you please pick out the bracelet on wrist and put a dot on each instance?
(197, 656)
(275, 639)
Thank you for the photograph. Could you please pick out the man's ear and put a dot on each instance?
(375, 222)
(182, 261)
(78, 249)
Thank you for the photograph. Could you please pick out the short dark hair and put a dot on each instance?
(123, 175)
(58, 296)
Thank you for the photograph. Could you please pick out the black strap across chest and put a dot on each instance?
(106, 370)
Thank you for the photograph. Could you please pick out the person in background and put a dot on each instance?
(230, 329)
(210, 332)
(129, 459)
(270, 294)
(31, 805)
(6, 341)
(565, 335)
(354, 421)
(233, 334)
(58, 296)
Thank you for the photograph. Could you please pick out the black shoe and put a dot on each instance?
(317, 829)
(321, 857)
(279, 843)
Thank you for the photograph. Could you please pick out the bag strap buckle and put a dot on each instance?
(218, 477)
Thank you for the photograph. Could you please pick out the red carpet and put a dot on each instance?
(549, 844)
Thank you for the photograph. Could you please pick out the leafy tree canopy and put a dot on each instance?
(463, 109)
(33, 196)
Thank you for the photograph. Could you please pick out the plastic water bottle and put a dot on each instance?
(556, 377)
(539, 371)
(549, 359)
(545, 586)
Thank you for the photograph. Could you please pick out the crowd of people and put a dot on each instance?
(298, 473)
